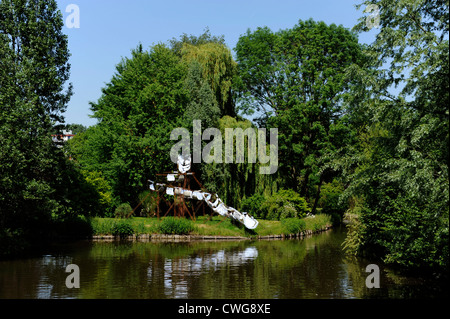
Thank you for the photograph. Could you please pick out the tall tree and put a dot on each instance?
(33, 71)
(139, 107)
(218, 71)
(402, 165)
(206, 37)
(296, 78)
(218, 68)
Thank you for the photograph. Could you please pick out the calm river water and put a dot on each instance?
(314, 268)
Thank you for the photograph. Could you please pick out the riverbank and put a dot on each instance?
(183, 238)
(145, 229)
(203, 228)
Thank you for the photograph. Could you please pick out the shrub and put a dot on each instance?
(123, 210)
(252, 205)
(284, 204)
(122, 229)
(178, 226)
(293, 225)
(97, 182)
(330, 202)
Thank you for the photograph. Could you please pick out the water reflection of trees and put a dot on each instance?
(194, 270)
(243, 269)
(309, 268)
(265, 269)
(35, 278)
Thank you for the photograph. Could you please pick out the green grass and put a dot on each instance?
(269, 227)
(318, 222)
(140, 225)
(205, 226)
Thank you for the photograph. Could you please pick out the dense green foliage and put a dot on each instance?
(400, 186)
(253, 204)
(284, 204)
(122, 229)
(362, 129)
(280, 205)
(38, 184)
(152, 93)
(136, 113)
(297, 79)
(330, 201)
(123, 210)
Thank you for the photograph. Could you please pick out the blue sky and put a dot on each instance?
(110, 29)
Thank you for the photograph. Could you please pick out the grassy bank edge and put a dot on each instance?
(203, 226)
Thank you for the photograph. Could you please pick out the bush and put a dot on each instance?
(96, 182)
(293, 225)
(178, 226)
(122, 229)
(252, 205)
(330, 202)
(284, 204)
(123, 210)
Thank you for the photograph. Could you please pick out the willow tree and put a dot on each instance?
(218, 70)
(209, 82)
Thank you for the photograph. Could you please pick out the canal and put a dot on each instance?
(310, 268)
